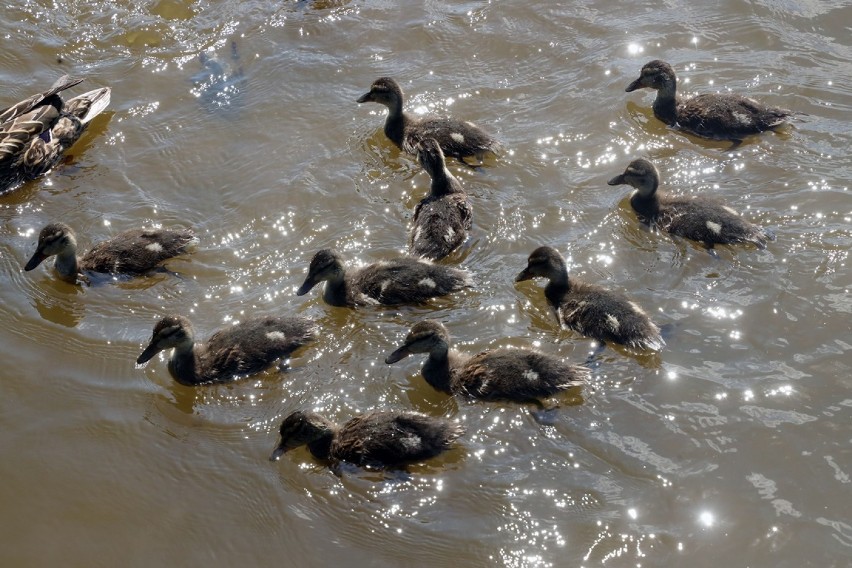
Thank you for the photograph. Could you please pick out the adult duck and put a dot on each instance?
(721, 116)
(591, 310)
(457, 138)
(379, 439)
(35, 132)
(391, 282)
(132, 253)
(232, 353)
(699, 218)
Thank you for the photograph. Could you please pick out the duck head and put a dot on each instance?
(171, 331)
(385, 91)
(301, 428)
(54, 239)
(425, 337)
(641, 174)
(431, 157)
(325, 265)
(655, 74)
(545, 262)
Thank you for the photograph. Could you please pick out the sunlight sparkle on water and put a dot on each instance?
(706, 518)
(635, 49)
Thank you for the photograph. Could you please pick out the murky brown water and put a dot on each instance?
(730, 449)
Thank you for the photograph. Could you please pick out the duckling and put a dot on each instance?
(698, 218)
(519, 375)
(379, 439)
(591, 310)
(390, 282)
(134, 252)
(233, 353)
(442, 218)
(35, 132)
(458, 139)
(718, 116)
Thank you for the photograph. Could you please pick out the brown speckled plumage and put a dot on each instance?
(520, 375)
(591, 310)
(458, 139)
(132, 252)
(378, 439)
(35, 132)
(391, 282)
(722, 116)
(699, 218)
(231, 353)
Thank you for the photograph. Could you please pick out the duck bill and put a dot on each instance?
(365, 98)
(617, 180)
(398, 355)
(307, 285)
(36, 259)
(147, 355)
(279, 451)
(637, 84)
(523, 275)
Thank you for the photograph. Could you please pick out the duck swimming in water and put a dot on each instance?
(232, 353)
(591, 310)
(458, 139)
(442, 218)
(134, 252)
(379, 439)
(35, 132)
(508, 373)
(391, 282)
(720, 116)
(697, 218)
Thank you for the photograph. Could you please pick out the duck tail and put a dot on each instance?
(89, 105)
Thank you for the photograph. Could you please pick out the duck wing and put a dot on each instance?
(407, 281)
(28, 104)
(456, 138)
(727, 116)
(440, 225)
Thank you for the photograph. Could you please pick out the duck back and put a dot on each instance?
(393, 438)
(727, 116)
(136, 251)
(404, 281)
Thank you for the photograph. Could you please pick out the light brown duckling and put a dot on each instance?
(134, 252)
(590, 310)
(378, 439)
(457, 138)
(391, 282)
(701, 219)
(519, 375)
(720, 116)
(232, 353)
(35, 132)
(443, 218)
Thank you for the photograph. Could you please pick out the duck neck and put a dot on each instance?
(183, 364)
(645, 204)
(444, 183)
(437, 369)
(321, 447)
(395, 123)
(334, 292)
(665, 105)
(67, 264)
(558, 286)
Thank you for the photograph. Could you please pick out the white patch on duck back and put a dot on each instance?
(613, 323)
(276, 336)
(450, 234)
(384, 285)
(457, 136)
(715, 228)
(154, 247)
(530, 375)
(743, 118)
(412, 442)
(428, 282)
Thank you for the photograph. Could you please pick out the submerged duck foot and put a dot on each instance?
(546, 416)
